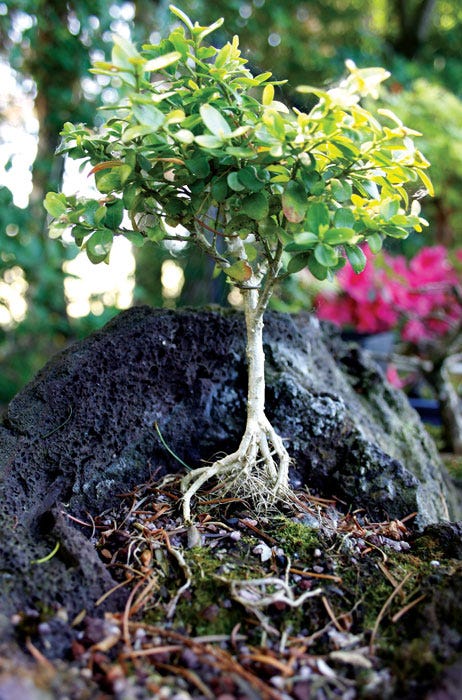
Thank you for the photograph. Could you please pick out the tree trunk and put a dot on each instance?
(414, 25)
(259, 468)
(255, 359)
(56, 78)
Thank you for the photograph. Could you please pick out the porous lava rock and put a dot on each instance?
(84, 430)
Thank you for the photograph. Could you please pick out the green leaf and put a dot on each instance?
(99, 245)
(202, 32)
(341, 191)
(79, 234)
(294, 202)
(249, 178)
(57, 228)
(91, 206)
(114, 214)
(198, 166)
(234, 182)
(239, 271)
(240, 224)
(302, 241)
(269, 229)
(250, 251)
(182, 16)
(356, 258)
(155, 233)
(240, 152)
(209, 141)
(313, 181)
(317, 216)
(124, 173)
(298, 262)
(219, 189)
(123, 53)
(395, 231)
(130, 196)
(268, 95)
(100, 213)
(344, 218)
(255, 206)
(206, 52)
(337, 236)
(136, 238)
(156, 64)
(326, 255)
(184, 136)
(126, 46)
(133, 132)
(148, 115)
(389, 208)
(374, 241)
(55, 204)
(108, 182)
(214, 121)
(400, 220)
(316, 269)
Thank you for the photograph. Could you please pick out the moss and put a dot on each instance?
(416, 659)
(296, 538)
(415, 648)
(207, 608)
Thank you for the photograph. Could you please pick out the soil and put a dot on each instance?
(311, 602)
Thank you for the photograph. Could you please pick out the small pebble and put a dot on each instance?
(434, 562)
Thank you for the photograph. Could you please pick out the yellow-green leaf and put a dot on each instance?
(156, 64)
(214, 121)
(426, 181)
(268, 95)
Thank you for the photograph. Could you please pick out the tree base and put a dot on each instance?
(258, 470)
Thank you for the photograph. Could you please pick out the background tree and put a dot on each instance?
(48, 46)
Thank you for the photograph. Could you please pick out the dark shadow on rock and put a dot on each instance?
(84, 431)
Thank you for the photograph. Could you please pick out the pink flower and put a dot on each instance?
(418, 295)
(393, 377)
(413, 331)
(328, 309)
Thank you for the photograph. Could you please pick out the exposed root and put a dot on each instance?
(259, 470)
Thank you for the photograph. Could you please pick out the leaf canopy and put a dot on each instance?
(199, 146)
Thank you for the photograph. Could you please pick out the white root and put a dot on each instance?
(259, 470)
(252, 593)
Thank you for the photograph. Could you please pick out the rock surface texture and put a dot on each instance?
(85, 430)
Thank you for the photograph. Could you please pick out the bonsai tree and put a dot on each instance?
(199, 151)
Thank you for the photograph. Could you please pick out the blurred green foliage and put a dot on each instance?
(436, 112)
(49, 45)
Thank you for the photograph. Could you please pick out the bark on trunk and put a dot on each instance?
(259, 469)
(255, 359)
